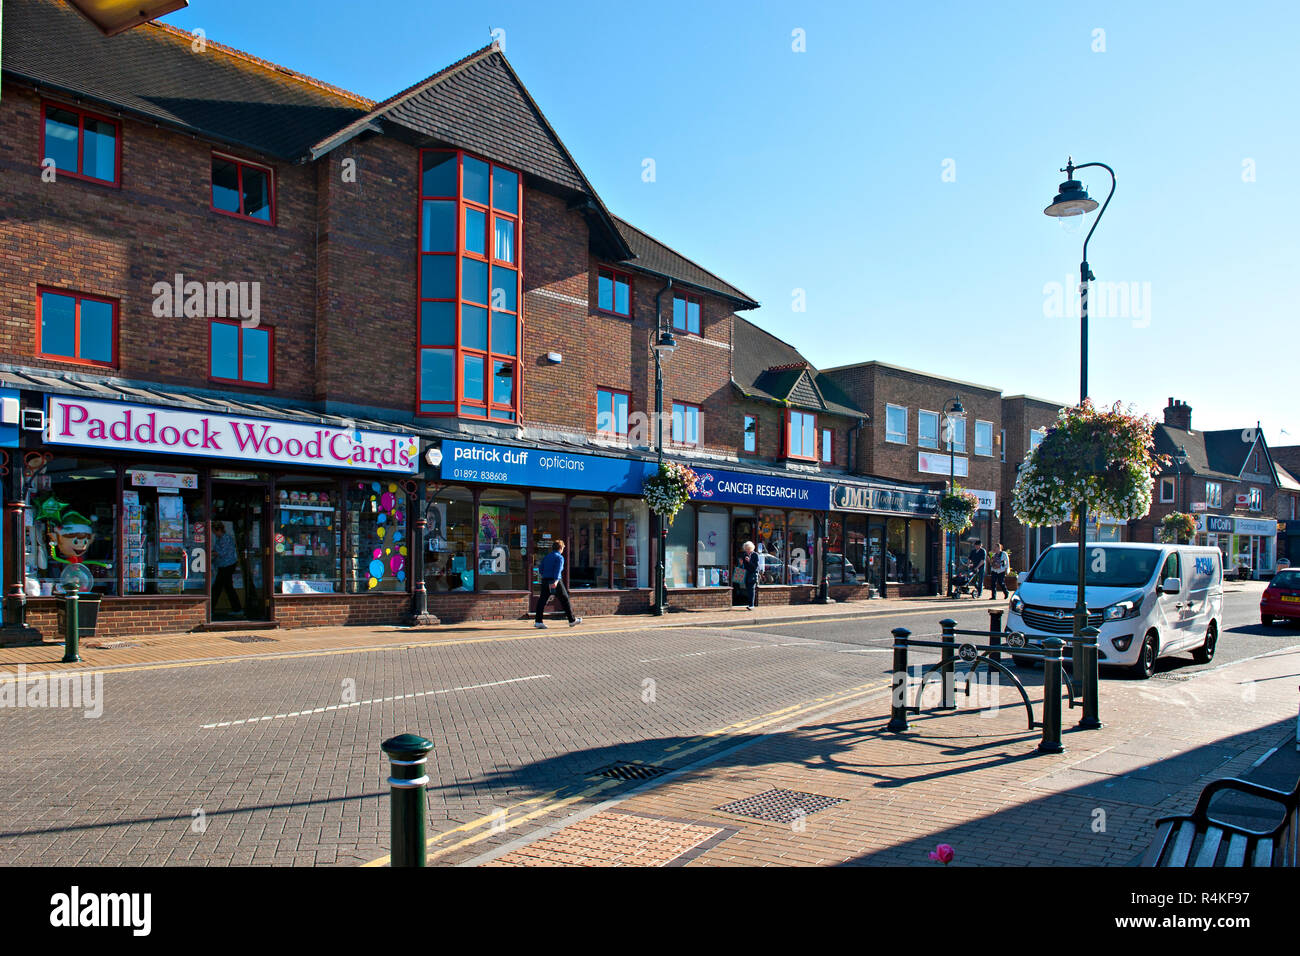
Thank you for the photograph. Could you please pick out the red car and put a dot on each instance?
(1282, 597)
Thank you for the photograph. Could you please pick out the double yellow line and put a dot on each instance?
(508, 818)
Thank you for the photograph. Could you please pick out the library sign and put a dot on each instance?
(117, 426)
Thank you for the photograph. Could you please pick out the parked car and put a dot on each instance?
(1147, 600)
(1281, 599)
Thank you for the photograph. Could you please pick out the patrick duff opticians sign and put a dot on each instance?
(121, 427)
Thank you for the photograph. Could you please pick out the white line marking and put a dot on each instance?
(870, 650)
(375, 700)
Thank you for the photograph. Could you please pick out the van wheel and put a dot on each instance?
(1205, 653)
(1146, 662)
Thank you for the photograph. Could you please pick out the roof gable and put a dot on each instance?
(153, 72)
(658, 258)
(768, 369)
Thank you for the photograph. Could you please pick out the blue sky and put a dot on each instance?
(896, 171)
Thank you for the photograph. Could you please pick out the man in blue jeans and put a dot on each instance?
(979, 559)
(552, 574)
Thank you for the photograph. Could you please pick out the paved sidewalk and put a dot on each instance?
(224, 645)
(843, 790)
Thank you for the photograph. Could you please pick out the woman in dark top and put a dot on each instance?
(750, 561)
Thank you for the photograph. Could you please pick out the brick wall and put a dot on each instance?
(117, 242)
(1020, 416)
(124, 617)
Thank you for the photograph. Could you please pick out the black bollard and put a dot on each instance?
(898, 705)
(948, 657)
(1052, 663)
(72, 626)
(1091, 680)
(406, 755)
(995, 632)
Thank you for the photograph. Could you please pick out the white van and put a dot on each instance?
(1148, 600)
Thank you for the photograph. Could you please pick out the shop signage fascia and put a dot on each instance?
(859, 498)
(543, 468)
(125, 427)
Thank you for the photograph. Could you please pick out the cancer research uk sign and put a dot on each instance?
(740, 488)
(121, 427)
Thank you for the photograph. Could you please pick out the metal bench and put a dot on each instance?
(1199, 839)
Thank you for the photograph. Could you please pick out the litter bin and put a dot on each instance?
(87, 613)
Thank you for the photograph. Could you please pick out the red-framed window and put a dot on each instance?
(611, 411)
(75, 327)
(686, 424)
(242, 189)
(801, 435)
(241, 355)
(686, 313)
(470, 318)
(82, 145)
(828, 445)
(750, 436)
(613, 292)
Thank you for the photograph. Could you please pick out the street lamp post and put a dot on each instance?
(663, 346)
(1073, 200)
(951, 410)
(1179, 496)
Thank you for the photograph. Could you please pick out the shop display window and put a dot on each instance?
(377, 545)
(836, 572)
(895, 550)
(502, 538)
(712, 562)
(588, 554)
(918, 555)
(449, 539)
(857, 558)
(770, 541)
(166, 535)
(802, 547)
(307, 536)
(627, 547)
(677, 551)
(72, 533)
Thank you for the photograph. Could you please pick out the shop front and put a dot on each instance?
(883, 537)
(182, 518)
(495, 510)
(1249, 545)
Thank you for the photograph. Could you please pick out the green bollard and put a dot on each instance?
(948, 656)
(72, 626)
(1091, 679)
(898, 707)
(1052, 663)
(406, 756)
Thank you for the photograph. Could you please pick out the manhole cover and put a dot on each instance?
(249, 638)
(629, 770)
(780, 806)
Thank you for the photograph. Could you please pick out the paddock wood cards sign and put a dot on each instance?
(117, 426)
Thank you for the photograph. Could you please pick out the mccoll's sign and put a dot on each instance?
(123, 427)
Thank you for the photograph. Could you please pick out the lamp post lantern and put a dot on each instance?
(663, 346)
(1073, 200)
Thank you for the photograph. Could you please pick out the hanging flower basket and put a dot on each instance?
(1104, 460)
(957, 510)
(667, 491)
(1177, 528)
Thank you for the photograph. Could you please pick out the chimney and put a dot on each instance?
(1178, 414)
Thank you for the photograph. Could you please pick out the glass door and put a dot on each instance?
(240, 552)
(876, 556)
(545, 525)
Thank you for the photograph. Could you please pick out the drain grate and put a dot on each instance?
(780, 806)
(249, 638)
(629, 770)
(1176, 678)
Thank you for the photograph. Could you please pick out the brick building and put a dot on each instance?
(904, 439)
(1025, 421)
(1225, 478)
(361, 337)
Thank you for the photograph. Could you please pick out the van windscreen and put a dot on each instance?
(1106, 567)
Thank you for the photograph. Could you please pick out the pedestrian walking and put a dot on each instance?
(552, 574)
(999, 565)
(750, 561)
(223, 553)
(978, 565)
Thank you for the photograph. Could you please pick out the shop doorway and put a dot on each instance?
(876, 556)
(546, 525)
(239, 589)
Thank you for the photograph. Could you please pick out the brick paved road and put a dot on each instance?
(153, 782)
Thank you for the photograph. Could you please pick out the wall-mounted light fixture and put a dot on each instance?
(555, 358)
